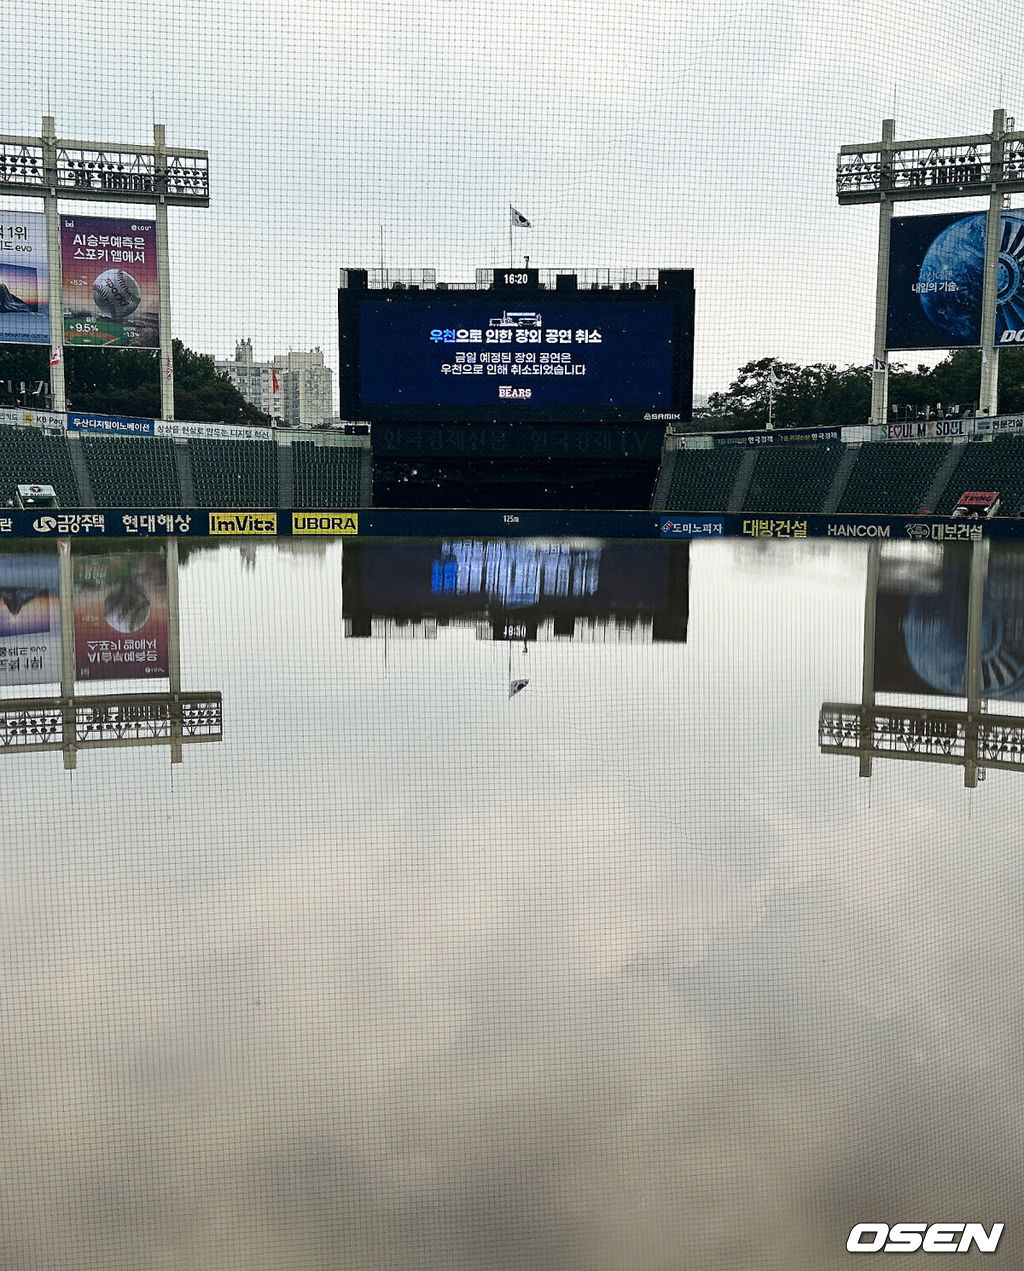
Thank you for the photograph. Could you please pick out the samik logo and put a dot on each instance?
(936, 1237)
(243, 522)
(917, 530)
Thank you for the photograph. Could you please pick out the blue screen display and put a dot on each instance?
(532, 351)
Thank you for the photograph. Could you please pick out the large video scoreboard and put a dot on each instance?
(517, 351)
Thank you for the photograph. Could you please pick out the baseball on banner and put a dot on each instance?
(116, 294)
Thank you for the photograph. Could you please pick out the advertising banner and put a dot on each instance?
(120, 608)
(999, 423)
(118, 524)
(135, 426)
(921, 624)
(29, 619)
(780, 437)
(24, 279)
(216, 432)
(109, 282)
(927, 430)
(936, 273)
(20, 418)
(112, 425)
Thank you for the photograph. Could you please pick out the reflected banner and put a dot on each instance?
(121, 616)
(24, 279)
(936, 275)
(109, 282)
(29, 619)
(921, 624)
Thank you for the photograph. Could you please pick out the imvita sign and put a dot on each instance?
(937, 1237)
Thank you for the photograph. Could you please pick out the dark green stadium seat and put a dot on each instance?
(702, 480)
(792, 478)
(988, 465)
(326, 476)
(892, 477)
(30, 456)
(132, 471)
(234, 474)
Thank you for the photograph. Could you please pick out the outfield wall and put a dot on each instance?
(140, 523)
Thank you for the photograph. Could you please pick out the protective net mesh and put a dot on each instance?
(404, 966)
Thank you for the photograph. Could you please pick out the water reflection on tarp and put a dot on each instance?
(938, 622)
(524, 589)
(29, 618)
(618, 973)
(72, 613)
(922, 622)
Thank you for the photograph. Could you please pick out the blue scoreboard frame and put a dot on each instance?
(517, 352)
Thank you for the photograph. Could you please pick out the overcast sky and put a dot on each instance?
(664, 134)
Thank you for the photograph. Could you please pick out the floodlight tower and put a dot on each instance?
(114, 172)
(972, 739)
(889, 171)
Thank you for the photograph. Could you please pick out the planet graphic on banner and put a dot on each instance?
(954, 266)
(952, 277)
(935, 630)
(116, 294)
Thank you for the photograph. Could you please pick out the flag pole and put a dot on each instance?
(511, 261)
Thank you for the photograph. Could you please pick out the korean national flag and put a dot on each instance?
(519, 219)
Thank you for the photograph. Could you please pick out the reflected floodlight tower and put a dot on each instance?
(972, 739)
(889, 171)
(113, 172)
(72, 721)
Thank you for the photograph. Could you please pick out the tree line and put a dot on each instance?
(822, 394)
(126, 382)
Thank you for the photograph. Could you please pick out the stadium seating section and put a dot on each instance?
(29, 456)
(234, 474)
(702, 480)
(326, 476)
(886, 477)
(132, 472)
(996, 465)
(792, 478)
(892, 477)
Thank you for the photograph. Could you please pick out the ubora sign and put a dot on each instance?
(325, 523)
